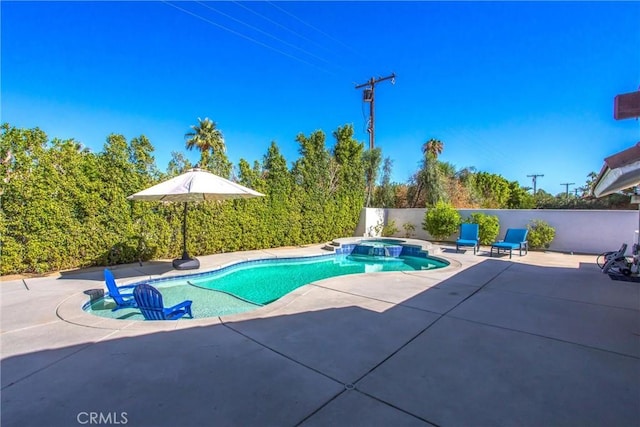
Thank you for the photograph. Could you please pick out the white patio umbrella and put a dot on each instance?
(193, 185)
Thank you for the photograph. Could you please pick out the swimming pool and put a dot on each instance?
(245, 286)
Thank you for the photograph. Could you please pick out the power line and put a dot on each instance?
(284, 27)
(314, 28)
(368, 96)
(188, 12)
(535, 180)
(263, 32)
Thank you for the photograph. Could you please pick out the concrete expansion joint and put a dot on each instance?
(28, 327)
(286, 356)
(553, 297)
(549, 337)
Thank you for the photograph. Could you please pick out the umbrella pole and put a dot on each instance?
(185, 255)
(185, 263)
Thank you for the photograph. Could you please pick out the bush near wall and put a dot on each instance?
(540, 235)
(488, 225)
(442, 220)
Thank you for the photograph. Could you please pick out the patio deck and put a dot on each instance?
(543, 339)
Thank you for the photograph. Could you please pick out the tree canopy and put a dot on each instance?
(64, 206)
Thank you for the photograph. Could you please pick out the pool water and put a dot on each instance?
(381, 241)
(262, 284)
(246, 286)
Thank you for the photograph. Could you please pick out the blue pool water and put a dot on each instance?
(265, 283)
(245, 286)
(382, 241)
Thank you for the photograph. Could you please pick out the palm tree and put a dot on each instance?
(207, 138)
(591, 179)
(428, 173)
(432, 146)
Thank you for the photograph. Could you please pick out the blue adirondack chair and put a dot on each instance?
(149, 301)
(122, 299)
(515, 238)
(469, 236)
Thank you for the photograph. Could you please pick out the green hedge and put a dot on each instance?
(65, 207)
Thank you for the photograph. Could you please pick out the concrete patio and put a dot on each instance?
(540, 340)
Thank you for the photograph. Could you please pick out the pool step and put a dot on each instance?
(332, 246)
(329, 247)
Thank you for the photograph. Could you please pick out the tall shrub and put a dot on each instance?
(441, 221)
(540, 235)
(488, 225)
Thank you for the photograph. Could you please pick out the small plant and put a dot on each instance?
(376, 230)
(540, 234)
(409, 228)
(390, 229)
(441, 221)
(488, 225)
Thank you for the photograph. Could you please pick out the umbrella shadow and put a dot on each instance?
(120, 271)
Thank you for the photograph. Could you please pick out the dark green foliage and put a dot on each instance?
(284, 217)
(65, 207)
(441, 221)
(433, 180)
(540, 235)
(348, 199)
(312, 173)
(371, 160)
(493, 189)
(544, 200)
(385, 194)
(488, 225)
(519, 198)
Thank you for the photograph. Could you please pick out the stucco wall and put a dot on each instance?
(580, 231)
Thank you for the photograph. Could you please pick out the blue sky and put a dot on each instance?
(510, 88)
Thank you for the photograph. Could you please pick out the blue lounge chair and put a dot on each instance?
(515, 238)
(469, 236)
(149, 301)
(122, 299)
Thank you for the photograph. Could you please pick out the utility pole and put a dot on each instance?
(368, 96)
(535, 180)
(566, 187)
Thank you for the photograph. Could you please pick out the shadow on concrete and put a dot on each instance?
(496, 344)
(123, 271)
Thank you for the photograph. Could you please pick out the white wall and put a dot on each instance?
(580, 231)
(370, 218)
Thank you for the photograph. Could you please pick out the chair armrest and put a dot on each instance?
(125, 294)
(183, 304)
(127, 287)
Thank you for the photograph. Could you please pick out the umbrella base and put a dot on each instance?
(186, 264)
